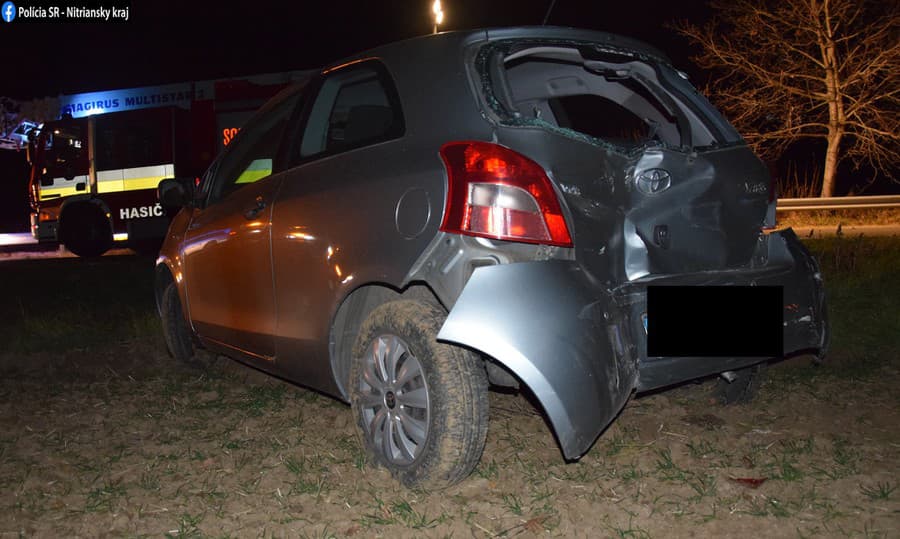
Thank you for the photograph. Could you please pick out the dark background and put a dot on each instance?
(168, 41)
(183, 41)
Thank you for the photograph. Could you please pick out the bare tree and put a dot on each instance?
(793, 69)
(9, 115)
(39, 110)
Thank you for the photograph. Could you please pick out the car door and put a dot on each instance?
(319, 232)
(226, 251)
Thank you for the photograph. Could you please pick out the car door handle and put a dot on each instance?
(253, 212)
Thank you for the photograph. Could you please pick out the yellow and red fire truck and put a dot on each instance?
(94, 171)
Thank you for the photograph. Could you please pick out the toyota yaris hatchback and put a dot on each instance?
(542, 207)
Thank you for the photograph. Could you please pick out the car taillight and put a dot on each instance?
(497, 193)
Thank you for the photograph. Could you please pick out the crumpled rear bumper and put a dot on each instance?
(783, 261)
(562, 336)
(580, 348)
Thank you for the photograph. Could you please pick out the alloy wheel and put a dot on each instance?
(394, 400)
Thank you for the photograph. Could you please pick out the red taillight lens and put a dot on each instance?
(497, 193)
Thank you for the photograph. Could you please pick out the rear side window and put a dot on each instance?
(622, 99)
(355, 106)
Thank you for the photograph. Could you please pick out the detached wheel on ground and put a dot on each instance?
(744, 387)
(421, 406)
(178, 336)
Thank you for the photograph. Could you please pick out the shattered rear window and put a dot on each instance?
(601, 118)
(596, 93)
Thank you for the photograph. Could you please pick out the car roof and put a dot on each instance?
(560, 33)
(564, 33)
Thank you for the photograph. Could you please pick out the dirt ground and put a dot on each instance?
(122, 441)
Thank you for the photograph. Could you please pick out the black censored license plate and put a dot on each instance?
(714, 321)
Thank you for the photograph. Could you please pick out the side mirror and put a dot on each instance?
(175, 193)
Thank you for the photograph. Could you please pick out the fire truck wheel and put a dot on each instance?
(84, 230)
(175, 328)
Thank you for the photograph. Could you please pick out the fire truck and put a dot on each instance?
(94, 171)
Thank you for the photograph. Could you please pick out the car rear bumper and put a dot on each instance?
(581, 349)
(783, 261)
(562, 336)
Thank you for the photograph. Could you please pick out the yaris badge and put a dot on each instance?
(652, 181)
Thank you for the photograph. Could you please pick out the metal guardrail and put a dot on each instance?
(838, 203)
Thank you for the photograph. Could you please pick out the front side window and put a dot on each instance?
(251, 156)
(355, 107)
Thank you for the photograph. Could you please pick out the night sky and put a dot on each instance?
(184, 41)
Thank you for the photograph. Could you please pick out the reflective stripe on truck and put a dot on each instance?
(112, 181)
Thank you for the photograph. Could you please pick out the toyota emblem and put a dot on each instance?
(652, 181)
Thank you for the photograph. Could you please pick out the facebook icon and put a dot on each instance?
(8, 12)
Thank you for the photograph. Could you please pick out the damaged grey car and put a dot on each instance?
(546, 208)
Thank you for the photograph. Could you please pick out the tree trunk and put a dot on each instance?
(834, 92)
(831, 162)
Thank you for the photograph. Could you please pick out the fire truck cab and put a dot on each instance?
(93, 179)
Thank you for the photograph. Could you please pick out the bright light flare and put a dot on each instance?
(438, 13)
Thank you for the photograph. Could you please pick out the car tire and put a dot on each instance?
(744, 387)
(175, 329)
(421, 406)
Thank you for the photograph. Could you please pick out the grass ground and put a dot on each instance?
(65, 304)
(101, 434)
(876, 216)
